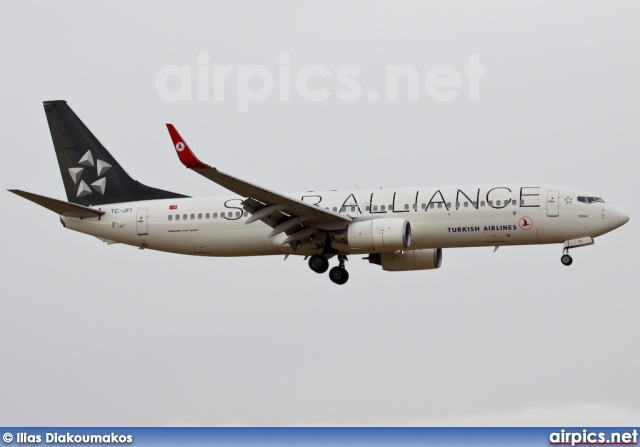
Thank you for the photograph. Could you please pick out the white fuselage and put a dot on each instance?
(465, 216)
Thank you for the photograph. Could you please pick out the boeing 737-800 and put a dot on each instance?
(398, 229)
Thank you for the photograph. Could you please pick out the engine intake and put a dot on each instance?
(409, 260)
(376, 235)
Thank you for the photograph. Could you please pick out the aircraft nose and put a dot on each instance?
(617, 217)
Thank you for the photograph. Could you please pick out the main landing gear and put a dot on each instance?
(339, 274)
(320, 264)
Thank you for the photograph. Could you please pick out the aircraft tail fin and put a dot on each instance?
(90, 174)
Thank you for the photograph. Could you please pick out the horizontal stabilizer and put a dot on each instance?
(58, 206)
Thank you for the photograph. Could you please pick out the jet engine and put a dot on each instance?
(408, 260)
(376, 235)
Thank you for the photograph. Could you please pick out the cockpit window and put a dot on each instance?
(590, 199)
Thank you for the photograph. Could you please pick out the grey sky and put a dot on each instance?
(111, 335)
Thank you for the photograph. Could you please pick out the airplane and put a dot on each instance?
(399, 229)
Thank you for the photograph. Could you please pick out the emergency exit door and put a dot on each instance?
(553, 205)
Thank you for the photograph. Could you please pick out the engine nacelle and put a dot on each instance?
(376, 235)
(408, 260)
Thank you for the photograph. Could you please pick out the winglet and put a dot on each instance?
(184, 152)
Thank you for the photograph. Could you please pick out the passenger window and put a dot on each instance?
(490, 202)
(343, 209)
(199, 215)
(238, 213)
(184, 217)
(367, 208)
(177, 216)
(206, 216)
(381, 207)
(482, 203)
(214, 215)
(439, 205)
(448, 205)
(497, 203)
(246, 214)
(466, 204)
(432, 205)
(193, 216)
(390, 207)
(424, 206)
(222, 215)
(353, 209)
(170, 217)
(457, 205)
(513, 202)
(406, 206)
(375, 207)
(475, 204)
(335, 209)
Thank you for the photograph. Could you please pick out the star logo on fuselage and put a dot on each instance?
(568, 200)
(87, 162)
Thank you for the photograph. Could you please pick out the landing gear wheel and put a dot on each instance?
(339, 275)
(566, 260)
(318, 263)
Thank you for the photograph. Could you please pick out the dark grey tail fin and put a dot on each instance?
(90, 174)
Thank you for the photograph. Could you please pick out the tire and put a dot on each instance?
(339, 275)
(318, 263)
(566, 260)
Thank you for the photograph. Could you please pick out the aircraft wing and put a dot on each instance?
(299, 220)
(58, 206)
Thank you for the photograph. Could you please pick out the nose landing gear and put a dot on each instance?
(574, 243)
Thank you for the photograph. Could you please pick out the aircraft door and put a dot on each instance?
(141, 223)
(553, 205)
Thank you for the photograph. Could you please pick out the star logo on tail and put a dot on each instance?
(87, 162)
